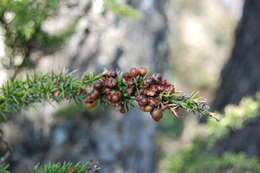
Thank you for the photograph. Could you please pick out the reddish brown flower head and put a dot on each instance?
(154, 101)
(112, 73)
(146, 91)
(134, 72)
(157, 114)
(126, 75)
(99, 85)
(143, 71)
(160, 88)
(115, 98)
(164, 82)
(150, 93)
(90, 104)
(95, 95)
(111, 83)
(148, 108)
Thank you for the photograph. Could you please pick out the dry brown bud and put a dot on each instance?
(150, 93)
(126, 75)
(112, 73)
(99, 85)
(143, 71)
(134, 72)
(148, 108)
(94, 95)
(111, 83)
(90, 104)
(115, 97)
(157, 114)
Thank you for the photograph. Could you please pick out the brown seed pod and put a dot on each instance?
(154, 88)
(126, 75)
(94, 95)
(115, 98)
(150, 93)
(157, 114)
(118, 93)
(153, 101)
(111, 83)
(90, 104)
(109, 97)
(164, 82)
(160, 88)
(112, 73)
(148, 108)
(99, 85)
(134, 72)
(143, 71)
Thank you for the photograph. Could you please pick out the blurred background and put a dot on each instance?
(208, 46)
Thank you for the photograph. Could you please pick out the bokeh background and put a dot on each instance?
(210, 46)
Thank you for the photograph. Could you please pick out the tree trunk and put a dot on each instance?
(122, 143)
(240, 76)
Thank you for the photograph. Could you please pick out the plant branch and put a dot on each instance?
(19, 94)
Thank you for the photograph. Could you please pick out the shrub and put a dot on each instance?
(197, 158)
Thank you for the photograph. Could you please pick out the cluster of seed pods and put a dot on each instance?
(118, 88)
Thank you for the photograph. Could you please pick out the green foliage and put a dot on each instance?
(54, 168)
(234, 117)
(122, 9)
(196, 159)
(4, 168)
(23, 32)
(191, 103)
(18, 94)
(61, 168)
